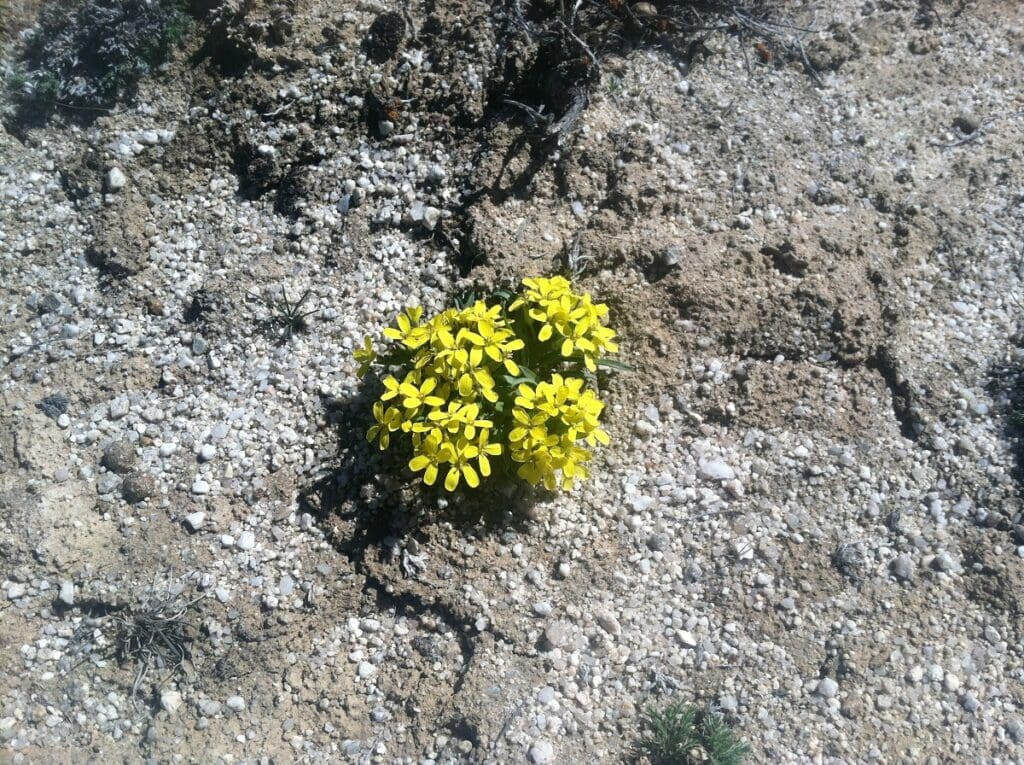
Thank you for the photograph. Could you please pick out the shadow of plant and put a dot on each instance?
(369, 499)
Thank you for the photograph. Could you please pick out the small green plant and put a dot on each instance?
(682, 734)
(85, 57)
(509, 380)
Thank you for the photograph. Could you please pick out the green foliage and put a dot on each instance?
(682, 734)
(85, 57)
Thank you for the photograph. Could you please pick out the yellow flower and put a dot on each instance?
(453, 395)
(391, 386)
(388, 421)
(365, 356)
(460, 455)
(415, 397)
(409, 330)
(429, 458)
(486, 449)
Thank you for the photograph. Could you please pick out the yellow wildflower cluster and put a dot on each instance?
(495, 380)
(551, 419)
(569, 317)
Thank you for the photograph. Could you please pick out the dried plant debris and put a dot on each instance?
(554, 73)
(154, 634)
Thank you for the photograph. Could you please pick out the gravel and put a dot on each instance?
(753, 441)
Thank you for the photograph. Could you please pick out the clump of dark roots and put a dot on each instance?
(154, 634)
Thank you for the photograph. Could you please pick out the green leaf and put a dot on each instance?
(529, 372)
(512, 382)
(613, 364)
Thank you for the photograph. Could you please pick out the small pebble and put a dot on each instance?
(116, 179)
(235, 703)
(195, 520)
(541, 752)
(827, 688)
(717, 470)
(170, 701)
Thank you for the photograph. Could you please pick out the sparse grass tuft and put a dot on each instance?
(682, 734)
(287, 315)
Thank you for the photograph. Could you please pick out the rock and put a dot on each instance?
(542, 608)
(170, 701)
(116, 180)
(431, 217)
(138, 486)
(902, 567)
(608, 623)
(67, 593)
(119, 456)
(366, 670)
(827, 688)
(107, 483)
(659, 542)
(970, 702)
(199, 345)
(670, 257)
(199, 486)
(235, 703)
(195, 520)
(15, 591)
(207, 452)
(1018, 533)
(556, 635)
(717, 470)
(951, 682)
(246, 541)
(644, 428)
(945, 562)
(1015, 730)
(119, 408)
(51, 303)
(286, 586)
(686, 638)
(542, 752)
(209, 707)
